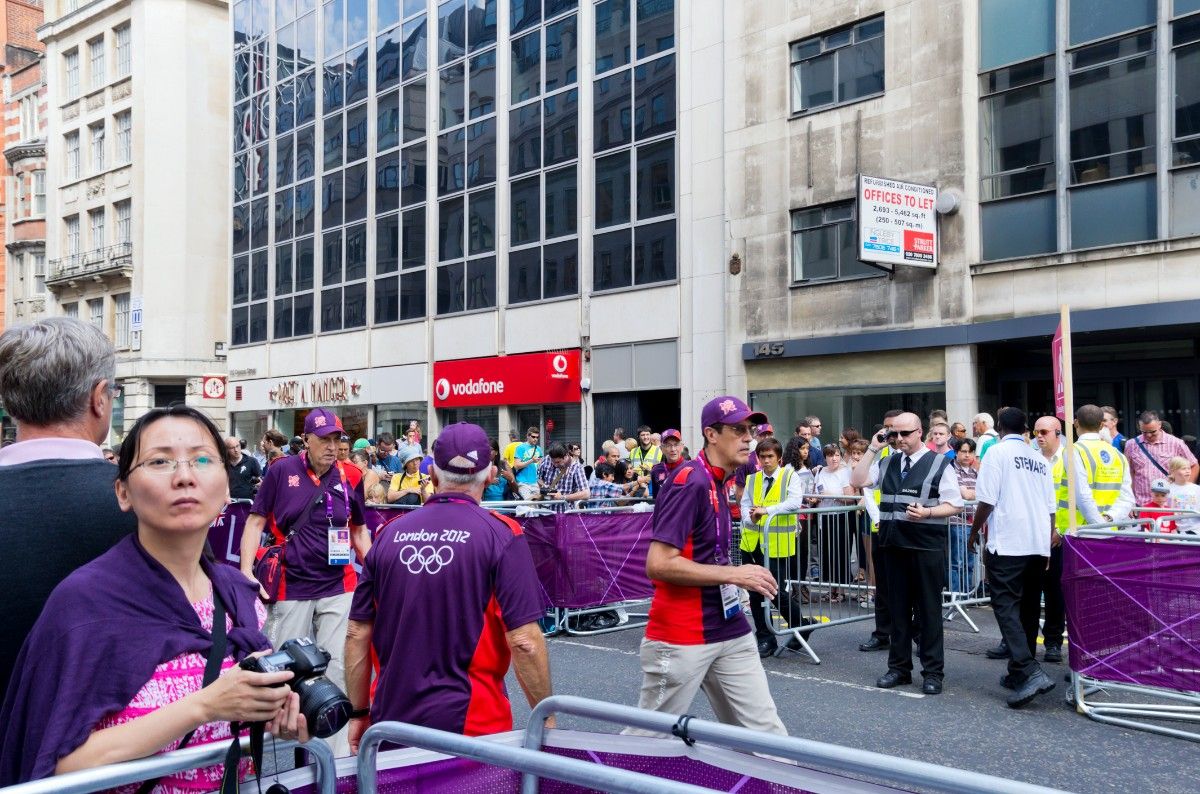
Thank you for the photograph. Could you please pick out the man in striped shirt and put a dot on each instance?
(1150, 453)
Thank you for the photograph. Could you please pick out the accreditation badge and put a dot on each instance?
(339, 546)
(731, 601)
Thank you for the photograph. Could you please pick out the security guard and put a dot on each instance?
(1016, 502)
(1048, 432)
(774, 493)
(645, 455)
(880, 638)
(1108, 468)
(919, 492)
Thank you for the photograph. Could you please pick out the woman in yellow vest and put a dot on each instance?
(772, 498)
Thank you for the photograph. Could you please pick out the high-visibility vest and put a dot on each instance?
(883, 453)
(783, 525)
(1062, 504)
(645, 460)
(1106, 467)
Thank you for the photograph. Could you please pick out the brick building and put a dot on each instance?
(23, 189)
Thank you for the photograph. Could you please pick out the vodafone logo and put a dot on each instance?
(560, 363)
(444, 388)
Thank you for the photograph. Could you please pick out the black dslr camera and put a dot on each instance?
(325, 707)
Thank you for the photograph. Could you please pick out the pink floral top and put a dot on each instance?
(172, 680)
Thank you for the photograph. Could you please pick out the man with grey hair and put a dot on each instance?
(444, 674)
(58, 380)
(985, 432)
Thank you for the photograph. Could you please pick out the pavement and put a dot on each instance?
(968, 726)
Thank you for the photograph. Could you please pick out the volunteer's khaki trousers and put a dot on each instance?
(325, 620)
(729, 673)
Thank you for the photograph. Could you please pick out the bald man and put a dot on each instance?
(919, 491)
(245, 473)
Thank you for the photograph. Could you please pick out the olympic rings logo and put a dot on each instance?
(426, 559)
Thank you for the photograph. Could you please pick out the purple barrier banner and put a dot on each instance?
(1133, 610)
(591, 559)
(582, 559)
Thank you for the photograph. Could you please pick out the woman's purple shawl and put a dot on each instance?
(101, 634)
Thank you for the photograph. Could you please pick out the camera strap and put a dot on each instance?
(212, 670)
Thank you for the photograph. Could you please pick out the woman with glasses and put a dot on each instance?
(114, 668)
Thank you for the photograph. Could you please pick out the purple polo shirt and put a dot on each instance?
(291, 501)
(442, 585)
(693, 515)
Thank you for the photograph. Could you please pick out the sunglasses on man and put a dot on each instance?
(894, 434)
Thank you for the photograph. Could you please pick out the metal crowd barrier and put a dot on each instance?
(155, 766)
(817, 586)
(895, 771)
(966, 577)
(532, 762)
(1170, 704)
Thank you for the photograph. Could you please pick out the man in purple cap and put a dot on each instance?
(307, 503)
(451, 554)
(672, 456)
(698, 636)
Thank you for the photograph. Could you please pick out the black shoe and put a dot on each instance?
(767, 647)
(1009, 682)
(794, 644)
(893, 678)
(1037, 684)
(1053, 655)
(604, 620)
(875, 644)
(999, 652)
(932, 686)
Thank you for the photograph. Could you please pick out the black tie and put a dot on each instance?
(907, 466)
(767, 485)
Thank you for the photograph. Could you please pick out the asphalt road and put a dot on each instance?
(968, 726)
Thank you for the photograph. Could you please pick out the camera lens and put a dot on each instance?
(325, 707)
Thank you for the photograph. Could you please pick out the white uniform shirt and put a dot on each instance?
(1017, 482)
(948, 493)
(790, 502)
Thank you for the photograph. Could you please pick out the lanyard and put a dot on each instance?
(312, 475)
(722, 551)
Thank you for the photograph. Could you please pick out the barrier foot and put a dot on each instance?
(804, 646)
(957, 608)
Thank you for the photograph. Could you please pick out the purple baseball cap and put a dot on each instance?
(672, 433)
(462, 448)
(322, 423)
(728, 410)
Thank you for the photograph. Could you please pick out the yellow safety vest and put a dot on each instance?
(1104, 466)
(783, 525)
(883, 453)
(645, 460)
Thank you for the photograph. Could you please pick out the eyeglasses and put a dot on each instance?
(1044, 432)
(903, 433)
(200, 464)
(739, 430)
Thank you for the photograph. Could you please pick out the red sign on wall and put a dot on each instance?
(525, 379)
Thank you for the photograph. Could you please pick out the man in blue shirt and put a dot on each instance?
(388, 458)
(525, 463)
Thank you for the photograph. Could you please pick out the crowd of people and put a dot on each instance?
(128, 639)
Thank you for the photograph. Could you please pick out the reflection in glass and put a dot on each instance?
(612, 125)
(561, 202)
(654, 253)
(525, 138)
(562, 53)
(612, 259)
(450, 229)
(525, 217)
(612, 35)
(654, 85)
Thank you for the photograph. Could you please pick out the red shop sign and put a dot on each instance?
(526, 379)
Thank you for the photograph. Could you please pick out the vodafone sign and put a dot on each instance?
(523, 379)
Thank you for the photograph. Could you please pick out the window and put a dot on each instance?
(634, 123)
(825, 245)
(96, 221)
(121, 320)
(466, 169)
(1014, 30)
(30, 117)
(98, 75)
(123, 231)
(39, 193)
(72, 231)
(39, 273)
(22, 200)
(838, 67)
(96, 132)
(124, 54)
(71, 74)
(96, 312)
(124, 136)
(71, 144)
(71, 310)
